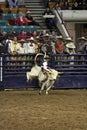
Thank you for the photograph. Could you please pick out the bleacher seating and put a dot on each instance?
(5, 10)
(17, 29)
(2, 22)
(13, 10)
(13, 15)
(2, 5)
(9, 16)
(22, 9)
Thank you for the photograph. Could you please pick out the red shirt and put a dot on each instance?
(21, 21)
(22, 36)
(59, 46)
(11, 22)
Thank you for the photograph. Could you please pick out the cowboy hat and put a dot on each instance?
(37, 37)
(28, 12)
(70, 45)
(59, 37)
(82, 38)
(68, 39)
(31, 39)
(47, 35)
(22, 41)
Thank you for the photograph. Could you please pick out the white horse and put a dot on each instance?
(35, 70)
(46, 79)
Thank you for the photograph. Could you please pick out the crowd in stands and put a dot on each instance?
(35, 42)
(14, 3)
(68, 4)
(20, 19)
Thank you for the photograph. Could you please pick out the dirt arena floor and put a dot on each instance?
(27, 110)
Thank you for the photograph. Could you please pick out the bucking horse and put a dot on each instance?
(46, 79)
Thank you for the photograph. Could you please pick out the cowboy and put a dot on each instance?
(30, 45)
(70, 49)
(59, 47)
(59, 44)
(82, 42)
(47, 46)
(31, 20)
(82, 48)
(44, 65)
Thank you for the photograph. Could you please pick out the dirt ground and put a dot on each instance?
(27, 110)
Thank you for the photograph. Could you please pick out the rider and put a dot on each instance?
(44, 66)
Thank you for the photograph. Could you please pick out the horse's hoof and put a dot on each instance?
(46, 93)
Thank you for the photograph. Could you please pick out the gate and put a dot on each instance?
(13, 70)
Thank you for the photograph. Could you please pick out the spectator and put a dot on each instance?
(30, 46)
(82, 41)
(75, 6)
(22, 35)
(70, 49)
(30, 19)
(59, 45)
(8, 42)
(49, 21)
(14, 46)
(54, 34)
(67, 40)
(20, 3)
(11, 21)
(57, 6)
(42, 35)
(12, 3)
(37, 44)
(65, 6)
(3, 45)
(14, 49)
(34, 34)
(47, 45)
(21, 20)
(43, 32)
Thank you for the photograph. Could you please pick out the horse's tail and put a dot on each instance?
(37, 55)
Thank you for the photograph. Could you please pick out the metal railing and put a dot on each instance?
(13, 70)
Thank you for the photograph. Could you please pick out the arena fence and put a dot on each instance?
(13, 70)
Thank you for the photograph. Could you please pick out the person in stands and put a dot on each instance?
(49, 21)
(81, 48)
(12, 3)
(22, 36)
(31, 20)
(59, 45)
(21, 20)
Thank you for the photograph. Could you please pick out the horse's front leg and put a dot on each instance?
(50, 85)
(47, 90)
(28, 76)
